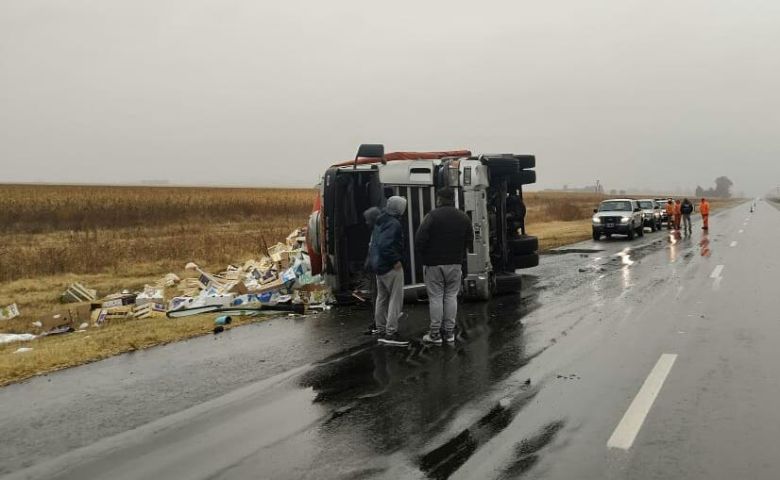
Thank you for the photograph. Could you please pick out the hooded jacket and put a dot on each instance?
(387, 239)
(686, 208)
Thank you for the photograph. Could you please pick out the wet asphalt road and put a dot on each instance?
(647, 359)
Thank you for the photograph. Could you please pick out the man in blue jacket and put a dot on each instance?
(385, 255)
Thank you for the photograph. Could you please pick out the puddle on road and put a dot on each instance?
(441, 462)
(389, 399)
(527, 451)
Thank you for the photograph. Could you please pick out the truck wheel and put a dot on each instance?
(652, 227)
(641, 231)
(630, 233)
(596, 236)
(523, 245)
(523, 177)
(524, 261)
(503, 166)
(526, 161)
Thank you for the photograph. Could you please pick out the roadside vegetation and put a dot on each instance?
(114, 238)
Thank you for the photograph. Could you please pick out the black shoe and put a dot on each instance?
(393, 340)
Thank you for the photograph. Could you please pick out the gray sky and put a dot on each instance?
(634, 93)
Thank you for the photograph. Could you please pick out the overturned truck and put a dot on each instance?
(489, 189)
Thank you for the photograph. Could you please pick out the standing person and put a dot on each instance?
(687, 210)
(385, 254)
(677, 214)
(441, 243)
(670, 214)
(704, 209)
(371, 215)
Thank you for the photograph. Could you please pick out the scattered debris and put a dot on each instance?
(218, 329)
(78, 293)
(9, 312)
(23, 350)
(59, 331)
(148, 310)
(223, 320)
(15, 337)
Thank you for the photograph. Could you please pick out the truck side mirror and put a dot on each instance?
(595, 210)
(370, 150)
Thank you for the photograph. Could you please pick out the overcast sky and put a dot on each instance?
(659, 94)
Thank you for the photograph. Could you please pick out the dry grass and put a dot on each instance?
(65, 229)
(111, 238)
(62, 351)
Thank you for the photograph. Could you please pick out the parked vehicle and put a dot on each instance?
(622, 216)
(651, 214)
(489, 189)
(661, 202)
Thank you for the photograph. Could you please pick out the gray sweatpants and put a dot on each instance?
(443, 285)
(686, 222)
(389, 300)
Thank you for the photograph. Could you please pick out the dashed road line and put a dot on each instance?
(625, 433)
(741, 231)
(717, 271)
(733, 244)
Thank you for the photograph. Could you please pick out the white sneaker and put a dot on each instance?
(428, 339)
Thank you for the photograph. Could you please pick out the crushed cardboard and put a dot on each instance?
(8, 312)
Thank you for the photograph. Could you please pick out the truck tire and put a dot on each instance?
(596, 236)
(631, 233)
(523, 177)
(524, 261)
(503, 166)
(526, 161)
(523, 245)
(641, 231)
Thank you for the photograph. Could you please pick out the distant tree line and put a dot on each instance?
(722, 189)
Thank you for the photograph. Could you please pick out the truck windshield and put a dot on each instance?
(648, 205)
(615, 207)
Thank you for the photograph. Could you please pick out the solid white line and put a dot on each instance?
(716, 273)
(628, 428)
(733, 244)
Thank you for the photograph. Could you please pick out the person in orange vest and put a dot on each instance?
(670, 214)
(677, 214)
(704, 209)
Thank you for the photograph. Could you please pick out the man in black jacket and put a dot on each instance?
(385, 254)
(686, 209)
(441, 243)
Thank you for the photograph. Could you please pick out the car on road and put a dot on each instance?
(662, 205)
(488, 188)
(651, 214)
(621, 216)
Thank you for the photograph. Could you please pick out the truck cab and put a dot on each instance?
(488, 188)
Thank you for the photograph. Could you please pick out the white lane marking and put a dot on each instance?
(628, 428)
(741, 231)
(716, 273)
(716, 284)
(733, 244)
